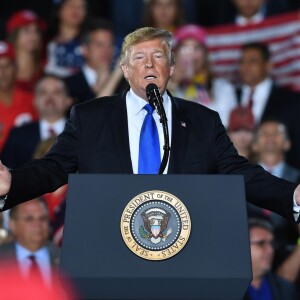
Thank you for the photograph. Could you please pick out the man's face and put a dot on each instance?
(148, 63)
(99, 51)
(248, 8)
(271, 139)
(261, 251)
(7, 73)
(51, 99)
(241, 139)
(253, 68)
(31, 225)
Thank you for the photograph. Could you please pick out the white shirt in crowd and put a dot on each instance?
(46, 127)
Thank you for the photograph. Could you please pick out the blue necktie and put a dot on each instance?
(149, 152)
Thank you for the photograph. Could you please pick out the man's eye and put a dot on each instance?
(138, 57)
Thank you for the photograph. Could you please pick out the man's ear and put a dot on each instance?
(125, 71)
(287, 145)
(255, 147)
(172, 68)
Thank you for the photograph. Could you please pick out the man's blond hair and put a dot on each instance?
(146, 34)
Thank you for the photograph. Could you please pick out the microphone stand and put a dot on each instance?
(158, 105)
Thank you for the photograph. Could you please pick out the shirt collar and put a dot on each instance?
(241, 20)
(276, 170)
(90, 75)
(57, 126)
(23, 253)
(135, 104)
(263, 87)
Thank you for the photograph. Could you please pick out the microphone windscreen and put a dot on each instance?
(150, 87)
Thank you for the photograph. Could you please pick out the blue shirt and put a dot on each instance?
(262, 293)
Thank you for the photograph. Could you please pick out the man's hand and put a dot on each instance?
(5, 180)
(297, 194)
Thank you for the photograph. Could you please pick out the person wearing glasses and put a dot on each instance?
(265, 285)
(31, 253)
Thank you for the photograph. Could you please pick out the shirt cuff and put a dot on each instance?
(296, 208)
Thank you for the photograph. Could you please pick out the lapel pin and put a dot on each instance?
(183, 124)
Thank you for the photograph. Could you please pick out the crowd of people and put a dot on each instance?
(50, 62)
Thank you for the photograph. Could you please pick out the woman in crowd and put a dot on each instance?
(193, 79)
(63, 51)
(164, 14)
(24, 29)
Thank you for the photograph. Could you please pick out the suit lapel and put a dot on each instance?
(180, 134)
(119, 126)
(271, 106)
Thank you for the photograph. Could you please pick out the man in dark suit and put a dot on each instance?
(51, 102)
(265, 284)
(267, 100)
(29, 223)
(270, 145)
(96, 77)
(102, 136)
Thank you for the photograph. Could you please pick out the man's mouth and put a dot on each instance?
(150, 77)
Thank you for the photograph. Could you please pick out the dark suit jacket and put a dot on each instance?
(284, 105)
(79, 88)
(20, 145)
(280, 288)
(81, 91)
(95, 140)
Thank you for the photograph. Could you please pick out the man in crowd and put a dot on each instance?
(241, 130)
(267, 100)
(265, 285)
(245, 12)
(270, 145)
(96, 77)
(31, 251)
(104, 136)
(52, 102)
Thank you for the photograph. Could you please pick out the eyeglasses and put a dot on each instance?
(264, 243)
(31, 219)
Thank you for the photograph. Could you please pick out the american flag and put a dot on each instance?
(282, 35)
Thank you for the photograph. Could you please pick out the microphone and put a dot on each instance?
(154, 97)
(156, 101)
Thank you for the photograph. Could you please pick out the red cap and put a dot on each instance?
(23, 18)
(190, 31)
(241, 118)
(6, 50)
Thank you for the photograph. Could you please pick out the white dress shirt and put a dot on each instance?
(259, 97)
(57, 127)
(242, 21)
(90, 75)
(42, 258)
(136, 115)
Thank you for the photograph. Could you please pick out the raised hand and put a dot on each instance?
(5, 180)
(297, 194)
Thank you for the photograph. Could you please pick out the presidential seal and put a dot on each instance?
(155, 225)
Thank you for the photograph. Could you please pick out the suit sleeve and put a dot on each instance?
(49, 173)
(262, 188)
